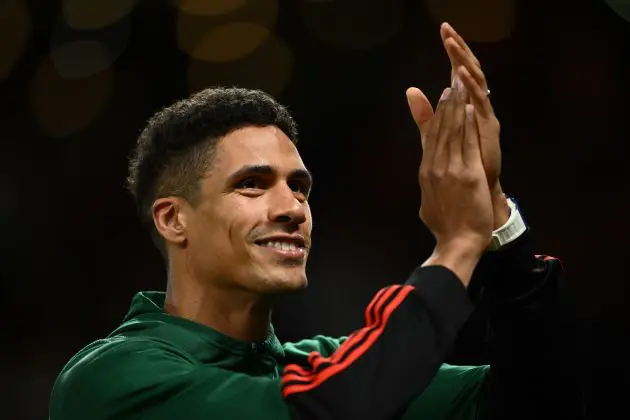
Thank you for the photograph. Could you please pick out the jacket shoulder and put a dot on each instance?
(96, 376)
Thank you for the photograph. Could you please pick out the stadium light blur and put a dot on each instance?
(476, 21)
(89, 15)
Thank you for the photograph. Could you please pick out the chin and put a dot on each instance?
(289, 285)
(296, 286)
(284, 281)
(276, 276)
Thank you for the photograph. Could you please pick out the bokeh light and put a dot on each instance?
(81, 58)
(621, 7)
(268, 68)
(77, 53)
(354, 23)
(15, 22)
(229, 42)
(85, 14)
(476, 21)
(65, 106)
(209, 7)
(226, 37)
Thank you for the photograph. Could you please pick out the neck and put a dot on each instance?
(233, 312)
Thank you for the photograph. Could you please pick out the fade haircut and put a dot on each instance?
(176, 148)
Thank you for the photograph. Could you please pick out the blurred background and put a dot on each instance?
(79, 78)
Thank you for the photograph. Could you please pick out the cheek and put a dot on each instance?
(208, 231)
(308, 225)
(237, 223)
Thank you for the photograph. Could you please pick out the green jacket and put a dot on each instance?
(157, 366)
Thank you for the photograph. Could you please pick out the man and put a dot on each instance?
(221, 186)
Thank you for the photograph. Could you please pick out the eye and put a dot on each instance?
(248, 184)
(299, 186)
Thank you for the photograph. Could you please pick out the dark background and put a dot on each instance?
(79, 78)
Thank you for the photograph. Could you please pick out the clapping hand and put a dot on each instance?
(465, 68)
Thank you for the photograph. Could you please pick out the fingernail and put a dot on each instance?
(445, 94)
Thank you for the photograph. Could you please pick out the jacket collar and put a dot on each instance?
(147, 308)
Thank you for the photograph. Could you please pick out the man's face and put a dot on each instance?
(252, 227)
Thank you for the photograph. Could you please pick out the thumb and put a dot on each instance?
(419, 106)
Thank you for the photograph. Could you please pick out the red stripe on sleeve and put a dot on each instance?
(383, 314)
(371, 321)
(547, 258)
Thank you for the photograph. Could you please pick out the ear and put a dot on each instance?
(170, 219)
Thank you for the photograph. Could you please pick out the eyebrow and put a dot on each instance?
(268, 170)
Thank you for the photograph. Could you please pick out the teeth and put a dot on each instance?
(282, 245)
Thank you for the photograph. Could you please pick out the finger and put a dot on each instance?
(441, 156)
(457, 125)
(420, 108)
(471, 147)
(446, 31)
(478, 95)
(433, 128)
(451, 57)
(463, 58)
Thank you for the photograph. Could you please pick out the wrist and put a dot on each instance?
(460, 256)
(500, 208)
(511, 230)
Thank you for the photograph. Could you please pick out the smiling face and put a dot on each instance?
(251, 228)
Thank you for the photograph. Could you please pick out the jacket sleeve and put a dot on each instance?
(378, 369)
(531, 335)
(373, 374)
(453, 393)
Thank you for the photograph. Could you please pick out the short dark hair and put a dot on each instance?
(176, 148)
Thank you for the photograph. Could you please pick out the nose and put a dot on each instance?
(286, 208)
